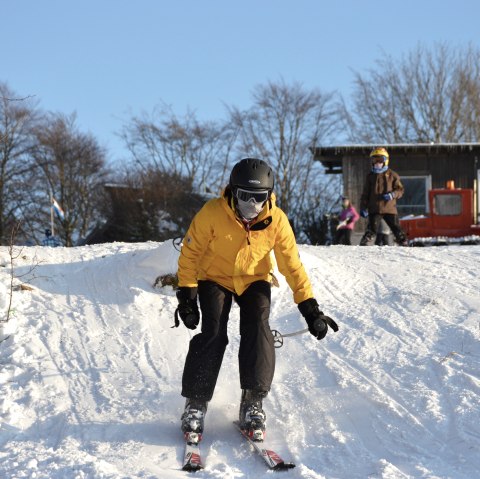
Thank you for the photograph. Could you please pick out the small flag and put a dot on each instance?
(58, 209)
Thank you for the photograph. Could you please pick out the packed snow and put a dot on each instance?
(91, 368)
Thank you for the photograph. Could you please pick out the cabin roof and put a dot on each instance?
(331, 156)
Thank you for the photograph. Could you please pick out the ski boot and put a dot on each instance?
(192, 420)
(252, 416)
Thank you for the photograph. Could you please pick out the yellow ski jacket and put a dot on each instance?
(220, 248)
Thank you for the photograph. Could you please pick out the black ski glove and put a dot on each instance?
(187, 307)
(317, 322)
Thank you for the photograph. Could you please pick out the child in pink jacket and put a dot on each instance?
(348, 217)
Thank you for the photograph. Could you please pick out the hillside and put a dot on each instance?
(91, 368)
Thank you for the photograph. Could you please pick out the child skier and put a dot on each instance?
(381, 191)
(226, 256)
(348, 217)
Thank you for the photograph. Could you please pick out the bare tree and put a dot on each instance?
(185, 146)
(146, 205)
(73, 167)
(283, 124)
(17, 117)
(469, 80)
(430, 95)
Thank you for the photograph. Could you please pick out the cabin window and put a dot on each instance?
(447, 205)
(415, 198)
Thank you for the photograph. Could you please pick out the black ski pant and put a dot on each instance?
(256, 354)
(372, 228)
(343, 236)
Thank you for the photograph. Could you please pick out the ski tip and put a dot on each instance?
(192, 462)
(192, 467)
(283, 466)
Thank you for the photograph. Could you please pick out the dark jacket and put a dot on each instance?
(378, 184)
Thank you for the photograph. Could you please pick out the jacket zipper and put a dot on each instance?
(247, 228)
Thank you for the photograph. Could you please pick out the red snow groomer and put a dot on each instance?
(452, 219)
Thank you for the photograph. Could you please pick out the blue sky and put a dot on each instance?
(109, 59)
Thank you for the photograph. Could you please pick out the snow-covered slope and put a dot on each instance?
(91, 368)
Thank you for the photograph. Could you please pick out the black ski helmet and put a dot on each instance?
(252, 174)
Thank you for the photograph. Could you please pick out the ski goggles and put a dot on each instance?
(258, 196)
(378, 159)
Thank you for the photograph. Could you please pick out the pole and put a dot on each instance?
(278, 336)
(475, 201)
(51, 213)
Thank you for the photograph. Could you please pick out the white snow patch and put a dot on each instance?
(91, 369)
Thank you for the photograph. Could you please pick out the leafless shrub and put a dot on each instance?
(429, 95)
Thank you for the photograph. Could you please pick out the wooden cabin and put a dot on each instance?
(420, 166)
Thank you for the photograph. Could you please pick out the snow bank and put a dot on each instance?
(91, 372)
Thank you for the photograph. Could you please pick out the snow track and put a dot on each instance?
(91, 368)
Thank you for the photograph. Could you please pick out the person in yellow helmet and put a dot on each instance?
(225, 257)
(381, 191)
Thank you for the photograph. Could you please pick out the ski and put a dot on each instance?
(192, 459)
(271, 458)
